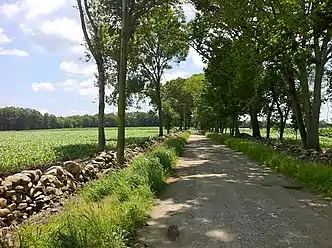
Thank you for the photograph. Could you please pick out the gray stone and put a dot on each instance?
(90, 167)
(37, 194)
(28, 209)
(56, 171)
(99, 159)
(58, 184)
(17, 198)
(19, 189)
(3, 202)
(40, 198)
(98, 164)
(50, 190)
(17, 214)
(10, 193)
(10, 216)
(45, 179)
(4, 212)
(71, 186)
(22, 206)
(12, 206)
(69, 175)
(33, 174)
(73, 167)
(3, 190)
(8, 185)
(14, 179)
(58, 192)
(18, 178)
(27, 199)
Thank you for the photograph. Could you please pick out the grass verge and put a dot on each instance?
(110, 210)
(316, 176)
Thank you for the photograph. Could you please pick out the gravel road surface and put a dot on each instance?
(219, 198)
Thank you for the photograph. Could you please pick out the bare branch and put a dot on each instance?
(84, 28)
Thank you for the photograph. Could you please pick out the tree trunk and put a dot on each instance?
(283, 124)
(101, 113)
(160, 110)
(289, 77)
(217, 127)
(160, 113)
(268, 126)
(233, 125)
(313, 132)
(255, 124)
(268, 120)
(122, 84)
(237, 130)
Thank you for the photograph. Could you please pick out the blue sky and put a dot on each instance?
(40, 57)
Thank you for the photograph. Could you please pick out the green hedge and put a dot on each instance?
(110, 210)
(315, 176)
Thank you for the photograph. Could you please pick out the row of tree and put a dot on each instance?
(264, 58)
(132, 42)
(13, 118)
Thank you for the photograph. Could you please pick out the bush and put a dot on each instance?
(178, 143)
(110, 210)
(316, 176)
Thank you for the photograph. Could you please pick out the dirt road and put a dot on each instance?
(219, 198)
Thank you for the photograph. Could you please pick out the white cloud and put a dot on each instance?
(78, 49)
(25, 29)
(31, 8)
(10, 10)
(43, 86)
(69, 85)
(196, 58)
(87, 88)
(189, 11)
(36, 8)
(13, 52)
(3, 37)
(63, 28)
(73, 68)
(84, 88)
(52, 25)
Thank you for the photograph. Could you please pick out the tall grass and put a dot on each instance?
(315, 176)
(110, 210)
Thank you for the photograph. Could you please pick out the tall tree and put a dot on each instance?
(132, 13)
(94, 30)
(158, 49)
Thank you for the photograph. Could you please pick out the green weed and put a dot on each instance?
(110, 210)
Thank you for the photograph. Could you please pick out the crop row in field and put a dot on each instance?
(34, 148)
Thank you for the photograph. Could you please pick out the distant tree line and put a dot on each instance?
(14, 118)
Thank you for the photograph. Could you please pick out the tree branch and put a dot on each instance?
(84, 28)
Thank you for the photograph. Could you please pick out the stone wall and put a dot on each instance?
(31, 191)
(324, 156)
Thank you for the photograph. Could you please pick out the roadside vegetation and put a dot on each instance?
(109, 211)
(315, 176)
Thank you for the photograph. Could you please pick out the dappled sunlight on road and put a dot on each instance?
(219, 198)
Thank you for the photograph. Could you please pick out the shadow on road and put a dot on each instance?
(219, 198)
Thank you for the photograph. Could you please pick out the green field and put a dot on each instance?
(20, 149)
